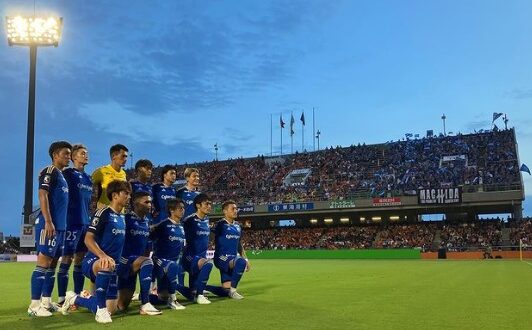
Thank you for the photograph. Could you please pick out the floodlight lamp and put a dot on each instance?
(34, 31)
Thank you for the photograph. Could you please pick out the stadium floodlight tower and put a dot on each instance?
(32, 31)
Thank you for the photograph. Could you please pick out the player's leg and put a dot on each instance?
(202, 267)
(144, 267)
(238, 267)
(72, 237)
(37, 278)
(225, 275)
(77, 273)
(172, 270)
(57, 244)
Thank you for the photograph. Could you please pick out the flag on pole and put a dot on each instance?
(281, 121)
(525, 168)
(303, 118)
(292, 121)
(496, 115)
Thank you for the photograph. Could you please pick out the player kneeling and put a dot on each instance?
(229, 255)
(133, 261)
(168, 239)
(104, 239)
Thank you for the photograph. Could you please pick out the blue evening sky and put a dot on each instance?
(171, 78)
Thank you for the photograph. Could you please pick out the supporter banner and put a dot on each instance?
(27, 236)
(453, 158)
(345, 204)
(244, 209)
(440, 196)
(290, 207)
(389, 201)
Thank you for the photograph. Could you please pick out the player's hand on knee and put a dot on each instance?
(248, 265)
(107, 263)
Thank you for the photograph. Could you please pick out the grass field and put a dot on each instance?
(326, 294)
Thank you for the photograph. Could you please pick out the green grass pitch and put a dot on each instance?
(325, 294)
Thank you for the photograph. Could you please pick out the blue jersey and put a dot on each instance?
(168, 240)
(79, 197)
(227, 238)
(188, 198)
(139, 186)
(52, 180)
(197, 233)
(137, 232)
(160, 194)
(109, 230)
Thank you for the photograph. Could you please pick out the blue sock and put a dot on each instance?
(89, 303)
(203, 277)
(173, 269)
(37, 282)
(238, 271)
(49, 281)
(102, 284)
(217, 290)
(77, 274)
(146, 269)
(62, 279)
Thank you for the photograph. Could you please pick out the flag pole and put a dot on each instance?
(313, 131)
(303, 133)
(281, 116)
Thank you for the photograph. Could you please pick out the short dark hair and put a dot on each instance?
(202, 197)
(77, 147)
(227, 203)
(172, 203)
(117, 148)
(139, 194)
(143, 163)
(167, 168)
(58, 145)
(116, 186)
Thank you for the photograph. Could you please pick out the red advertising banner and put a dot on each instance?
(388, 201)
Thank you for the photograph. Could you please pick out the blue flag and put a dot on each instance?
(525, 168)
(496, 115)
(302, 118)
(281, 121)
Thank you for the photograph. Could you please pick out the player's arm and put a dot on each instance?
(49, 227)
(45, 181)
(242, 253)
(96, 228)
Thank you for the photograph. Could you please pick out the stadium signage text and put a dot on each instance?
(27, 237)
(290, 207)
(341, 204)
(440, 196)
(246, 209)
(390, 201)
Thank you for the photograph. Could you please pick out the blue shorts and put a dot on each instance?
(190, 263)
(86, 267)
(75, 240)
(49, 247)
(222, 263)
(126, 279)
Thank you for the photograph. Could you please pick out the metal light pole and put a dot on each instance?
(33, 32)
(216, 150)
(318, 133)
(443, 118)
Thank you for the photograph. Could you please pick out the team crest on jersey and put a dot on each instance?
(95, 222)
(46, 179)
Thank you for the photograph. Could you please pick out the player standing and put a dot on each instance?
(49, 228)
(105, 239)
(190, 190)
(163, 191)
(102, 176)
(229, 255)
(78, 218)
(143, 171)
(195, 260)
